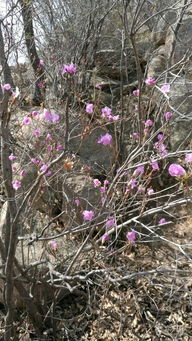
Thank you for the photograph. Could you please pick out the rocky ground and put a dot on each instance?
(154, 303)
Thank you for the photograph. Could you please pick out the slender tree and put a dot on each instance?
(27, 15)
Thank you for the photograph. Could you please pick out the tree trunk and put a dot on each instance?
(27, 14)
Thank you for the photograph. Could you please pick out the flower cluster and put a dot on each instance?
(106, 113)
(48, 116)
(160, 146)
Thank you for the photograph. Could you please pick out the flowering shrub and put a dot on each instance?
(86, 195)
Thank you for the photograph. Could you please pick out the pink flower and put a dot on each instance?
(154, 165)
(150, 191)
(96, 183)
(77, 202)
(36, 132)
(53, 244)
(105, 237)
(168, 115)
(131, 236)
(103, 189)
(141, 189)
(41, 62)
(135, 135)
(49, 148)
(43, 168)
(113, 118)
(26, 120)
(22, 173)
(105, 139)
(98, 86)
(132, 183)
(12, 157)
(34, 113)
(48, 173)
(110, 222)
(89, 108)
(162, 221)
(88, 215)
(146, 131)
(148, 123)
(160, 137)
(16, 184)
(59, 147)
(6, 87)
(139, 170)
(176, 170)
(136, 92)
(41, 85)
(106, 182)
(188, 158)
(165, 88)
(150, 81)
(105, 112)
(46, 115)
(161, 148)
(69, 68)
(49, 137)
(35, 161)
(55, 118)
(14, 168)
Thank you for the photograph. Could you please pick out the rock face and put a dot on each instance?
(181, 100)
